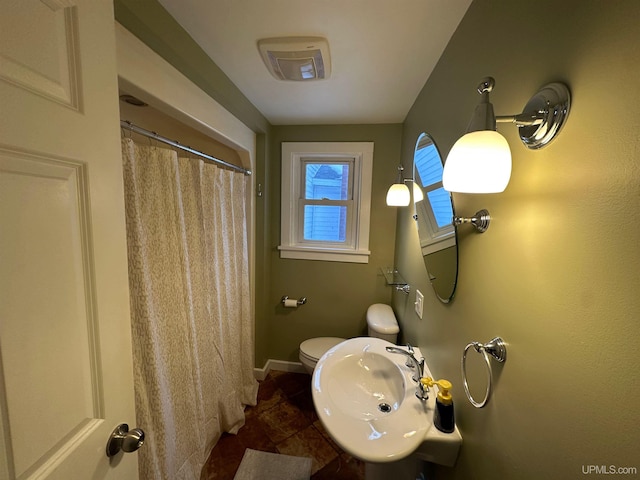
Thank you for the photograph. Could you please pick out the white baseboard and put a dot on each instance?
(279, 365)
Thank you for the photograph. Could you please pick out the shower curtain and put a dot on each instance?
(190, 306)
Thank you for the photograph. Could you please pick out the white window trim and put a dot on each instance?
(290, 246)
(438, 245)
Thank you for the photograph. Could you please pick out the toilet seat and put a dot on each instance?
(314, 348)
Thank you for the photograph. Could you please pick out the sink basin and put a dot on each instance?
(365, 399)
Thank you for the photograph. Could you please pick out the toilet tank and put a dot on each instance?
(382, 322)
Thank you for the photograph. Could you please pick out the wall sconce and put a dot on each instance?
(480, 161)
(398, 194)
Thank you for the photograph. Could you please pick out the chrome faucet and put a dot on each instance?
(415, 364)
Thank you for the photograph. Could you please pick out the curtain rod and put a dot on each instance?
(147, 133)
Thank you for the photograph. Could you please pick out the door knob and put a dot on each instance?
(124, 439)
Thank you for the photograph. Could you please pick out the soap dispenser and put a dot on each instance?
(443, 417)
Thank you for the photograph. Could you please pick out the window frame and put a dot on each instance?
(292, 243)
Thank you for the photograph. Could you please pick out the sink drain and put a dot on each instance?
(384, 407)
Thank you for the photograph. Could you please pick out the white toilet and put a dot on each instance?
(381, 322)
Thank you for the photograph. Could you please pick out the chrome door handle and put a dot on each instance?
(124, 439)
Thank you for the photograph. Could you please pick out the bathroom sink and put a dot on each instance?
(365, 399)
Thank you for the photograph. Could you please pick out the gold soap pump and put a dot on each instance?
(443, 417)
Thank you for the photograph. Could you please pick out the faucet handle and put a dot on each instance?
(409, 363)
(422, 391)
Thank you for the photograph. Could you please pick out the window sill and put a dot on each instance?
(325, 254)
(438, 245)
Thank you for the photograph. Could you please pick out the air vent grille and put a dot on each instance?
(296, 58)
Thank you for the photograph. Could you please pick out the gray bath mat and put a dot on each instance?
(257, 465)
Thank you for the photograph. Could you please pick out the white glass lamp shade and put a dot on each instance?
(398, 195)
(479, 162)
(418, 196)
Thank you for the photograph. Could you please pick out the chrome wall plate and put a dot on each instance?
(497, 349)
(551, 104)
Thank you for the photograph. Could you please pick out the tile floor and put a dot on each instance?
(284, 421)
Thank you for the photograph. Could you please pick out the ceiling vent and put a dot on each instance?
(296, 58)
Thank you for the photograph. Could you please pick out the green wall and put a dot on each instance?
(262, 250)
(557, 274)
(338, 293)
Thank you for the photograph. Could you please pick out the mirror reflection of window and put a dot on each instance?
(435, 212)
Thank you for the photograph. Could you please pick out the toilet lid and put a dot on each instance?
(314, 348)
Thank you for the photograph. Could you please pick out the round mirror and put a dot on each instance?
(434, 219)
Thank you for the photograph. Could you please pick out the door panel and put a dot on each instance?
(46, 252)
(51, 70)
(65, 347)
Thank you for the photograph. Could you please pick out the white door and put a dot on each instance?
(65, 346)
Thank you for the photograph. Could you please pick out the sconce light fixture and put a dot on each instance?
(480, 161)
(398, 194)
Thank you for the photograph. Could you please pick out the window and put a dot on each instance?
(434, 213)
(326, 198)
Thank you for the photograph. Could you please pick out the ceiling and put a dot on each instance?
(382, 52)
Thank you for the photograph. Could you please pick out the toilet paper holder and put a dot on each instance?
(299, 302)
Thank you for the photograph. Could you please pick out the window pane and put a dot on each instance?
(441, 205)
(324, 223)
(326, 181)
(428, 164)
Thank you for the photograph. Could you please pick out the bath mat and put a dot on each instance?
(257, 465)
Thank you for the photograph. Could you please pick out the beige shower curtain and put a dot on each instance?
(191, 316)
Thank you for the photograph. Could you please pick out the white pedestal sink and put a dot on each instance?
(365, 399)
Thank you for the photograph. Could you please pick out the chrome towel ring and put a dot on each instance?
(498, 350)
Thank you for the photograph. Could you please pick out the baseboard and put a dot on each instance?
(279, 365)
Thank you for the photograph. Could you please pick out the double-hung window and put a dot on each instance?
(326, 197)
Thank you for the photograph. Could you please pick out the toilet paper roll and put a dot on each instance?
(290, 303)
